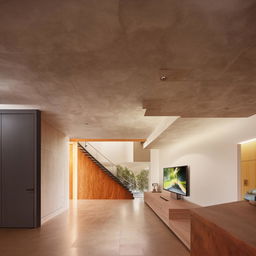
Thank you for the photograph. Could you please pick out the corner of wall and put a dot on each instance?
(54, 172)
(154, 167)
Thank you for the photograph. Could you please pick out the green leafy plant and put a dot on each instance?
(142, 180)
(126, 176)
(134, 182)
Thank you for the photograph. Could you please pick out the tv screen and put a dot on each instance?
(176, 180)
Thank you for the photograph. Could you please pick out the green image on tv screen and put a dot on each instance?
(175, 180)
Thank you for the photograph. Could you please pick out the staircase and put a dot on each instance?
(105, 170)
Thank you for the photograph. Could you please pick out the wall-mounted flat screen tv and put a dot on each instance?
(176, 180)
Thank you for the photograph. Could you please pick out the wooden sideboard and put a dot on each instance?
(224, 230)
(174, 213)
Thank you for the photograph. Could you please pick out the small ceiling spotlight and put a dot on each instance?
(163, 78)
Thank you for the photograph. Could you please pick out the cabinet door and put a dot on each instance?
(18, 170)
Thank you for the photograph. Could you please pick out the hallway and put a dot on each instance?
(96, 228)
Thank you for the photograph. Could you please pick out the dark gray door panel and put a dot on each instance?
(18, 170)
(0, 171)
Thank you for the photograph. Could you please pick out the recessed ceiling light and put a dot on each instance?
(163, 78)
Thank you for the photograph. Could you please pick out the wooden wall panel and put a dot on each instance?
(248, 151)
(248, 176)
(71, 171)
(93, 183)
(248, 167)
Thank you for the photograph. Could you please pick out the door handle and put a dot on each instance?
(30, 189)
(246, 182)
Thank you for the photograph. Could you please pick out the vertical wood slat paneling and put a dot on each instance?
(248, 151)
(93, 183)
(70, 171)
(248, 167)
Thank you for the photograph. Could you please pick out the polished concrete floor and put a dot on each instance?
(96, 228)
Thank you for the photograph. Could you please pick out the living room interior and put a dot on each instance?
(127, 128)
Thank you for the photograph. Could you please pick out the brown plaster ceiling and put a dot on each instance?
(99, 61)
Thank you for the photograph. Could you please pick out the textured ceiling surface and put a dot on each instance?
(99, 62)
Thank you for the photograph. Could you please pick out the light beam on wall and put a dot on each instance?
(247, 141)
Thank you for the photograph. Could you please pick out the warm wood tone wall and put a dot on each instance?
(93, 183)
(248, 167)
(71, 171)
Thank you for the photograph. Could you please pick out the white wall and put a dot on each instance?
(117, 152)
(154, 167)
(54, 172)
(213, 161)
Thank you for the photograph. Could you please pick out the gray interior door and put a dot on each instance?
(18, 170)
(0, 171)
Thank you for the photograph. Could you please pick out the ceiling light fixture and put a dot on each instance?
(163, 78)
